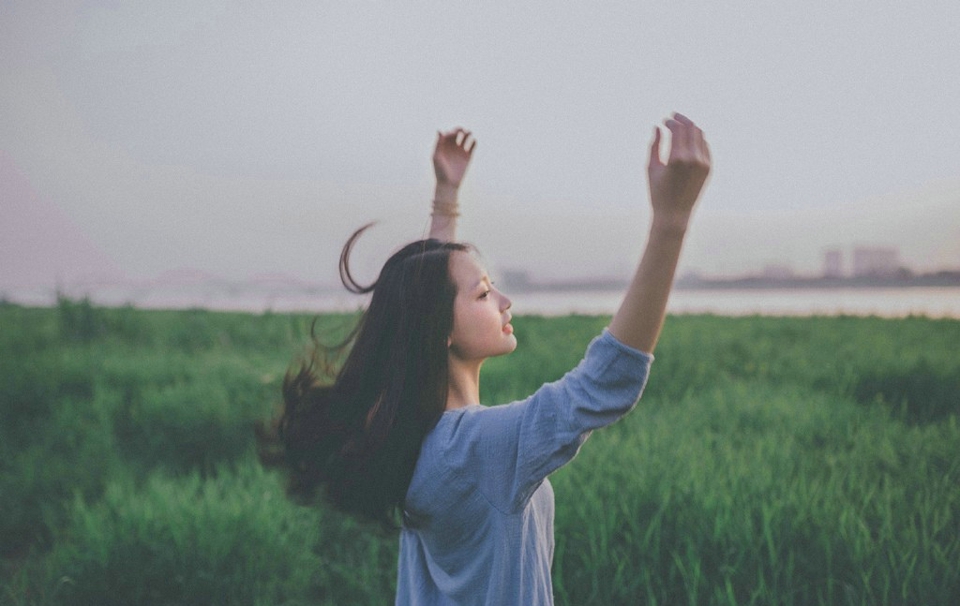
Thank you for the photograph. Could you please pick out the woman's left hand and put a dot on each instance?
(452, 156)
(675, 185)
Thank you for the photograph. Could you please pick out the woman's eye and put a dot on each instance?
(484, 295)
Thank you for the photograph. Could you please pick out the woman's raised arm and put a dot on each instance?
(674, 188)
(451, 157)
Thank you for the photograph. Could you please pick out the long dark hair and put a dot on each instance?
(356, 432)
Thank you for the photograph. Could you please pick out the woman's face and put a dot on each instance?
(481, 316)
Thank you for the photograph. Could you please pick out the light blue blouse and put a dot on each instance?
(478, 520)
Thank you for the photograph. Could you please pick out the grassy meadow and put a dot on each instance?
(770, 461)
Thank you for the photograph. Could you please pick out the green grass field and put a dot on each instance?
(770, 461)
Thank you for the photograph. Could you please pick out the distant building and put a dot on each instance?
(832, 263)
(876, 261)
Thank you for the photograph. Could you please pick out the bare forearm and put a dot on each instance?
(675, 186)
(640, 318)
(443, 218)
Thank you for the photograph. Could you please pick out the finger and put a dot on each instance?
(696, 142)
(684, 146)
(473, 145)
(672, 125)
(676, 137)
(655, 148)
(690, 132)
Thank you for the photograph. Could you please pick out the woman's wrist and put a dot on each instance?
(670, 223)
(445, 200)
(446, 191)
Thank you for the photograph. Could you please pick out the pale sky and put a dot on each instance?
(251, 138)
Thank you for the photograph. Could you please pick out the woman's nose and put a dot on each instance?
(505, 302)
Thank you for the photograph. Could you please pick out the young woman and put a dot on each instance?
(397, 432)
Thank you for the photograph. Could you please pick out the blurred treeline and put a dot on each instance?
(771, 460)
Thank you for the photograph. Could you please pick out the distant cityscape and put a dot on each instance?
(869, 267)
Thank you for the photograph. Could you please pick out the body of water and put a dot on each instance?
(935, 302)
(887, 302)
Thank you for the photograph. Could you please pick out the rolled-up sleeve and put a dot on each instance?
(521, 443)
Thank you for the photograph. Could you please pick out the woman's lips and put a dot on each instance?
(508, 329)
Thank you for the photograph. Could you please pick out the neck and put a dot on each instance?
(464, 383)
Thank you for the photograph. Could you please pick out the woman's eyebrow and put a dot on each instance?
(483, 278)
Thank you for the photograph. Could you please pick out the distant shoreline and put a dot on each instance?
(937, 301)
(948, 279)
(944, 278)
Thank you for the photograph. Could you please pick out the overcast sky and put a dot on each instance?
(252, 138)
